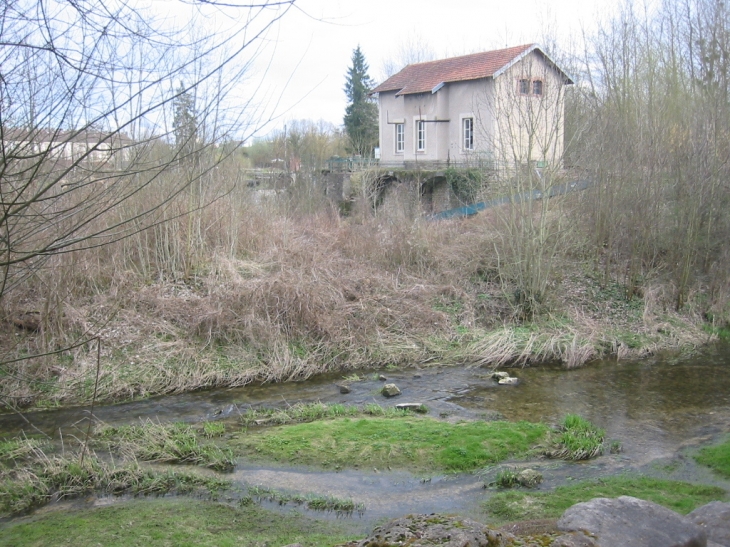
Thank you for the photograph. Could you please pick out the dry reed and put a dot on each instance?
(248, 290)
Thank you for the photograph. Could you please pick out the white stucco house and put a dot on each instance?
(64, 147)
(493, 108)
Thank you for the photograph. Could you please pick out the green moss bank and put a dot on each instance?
(417, 444)
(681, 497)
(170, 522)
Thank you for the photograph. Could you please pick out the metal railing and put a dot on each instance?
(341, 165)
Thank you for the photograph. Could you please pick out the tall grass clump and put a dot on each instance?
(53, 477)
(575, 439)
(21, 448)
(165, 443)
(310, 501)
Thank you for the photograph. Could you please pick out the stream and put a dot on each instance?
(660, 409)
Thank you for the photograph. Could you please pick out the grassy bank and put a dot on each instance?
(34, 473)
(25, 487)
(165, 522)
(391, 438)
(678, 496)
(420, 444)
(716, 457)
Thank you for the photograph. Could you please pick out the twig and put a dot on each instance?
(93, 400)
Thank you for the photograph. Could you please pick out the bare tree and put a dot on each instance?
(414, 49)
(100, 106)
(658, 106)
(521, 117)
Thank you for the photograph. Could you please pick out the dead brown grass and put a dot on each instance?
(259, 291)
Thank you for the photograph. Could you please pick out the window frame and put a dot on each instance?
(523, 86)
(400, 138)
(420, 135)
(467, 133)
(530, 87)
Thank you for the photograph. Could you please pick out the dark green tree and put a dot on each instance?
(361, 115)
(185, 124)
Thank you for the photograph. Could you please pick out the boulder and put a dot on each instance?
(498, 375)
(344, 389)
(714, 519)
(390, 390)
(628, 521)
(427, 530)
(382, 378)
(509, 381)
(529, 478)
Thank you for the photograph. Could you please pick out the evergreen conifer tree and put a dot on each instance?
(361, 115)
(185, 124)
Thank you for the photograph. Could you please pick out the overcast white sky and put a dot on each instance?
(311, 47)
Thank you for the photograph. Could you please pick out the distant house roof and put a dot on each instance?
(87, 136)
(430, 76)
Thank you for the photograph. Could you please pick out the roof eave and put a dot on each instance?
(437, 87)
(566, 79)
(515, 60)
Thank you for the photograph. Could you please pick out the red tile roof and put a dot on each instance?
(424, 77)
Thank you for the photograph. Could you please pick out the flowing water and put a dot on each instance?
(660, 409)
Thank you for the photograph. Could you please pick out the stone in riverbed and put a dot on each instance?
(529, 478)
(627, 521)
(415, 407)
(345, 389)
(390, 390)
(428, 530)
(504, 379)
(509, 381)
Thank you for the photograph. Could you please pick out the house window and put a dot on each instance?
(400, 138)
(420, 136)
(526, 86)
(468, 132)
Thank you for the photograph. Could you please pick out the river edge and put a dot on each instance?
(153, 365)
(454, 389)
